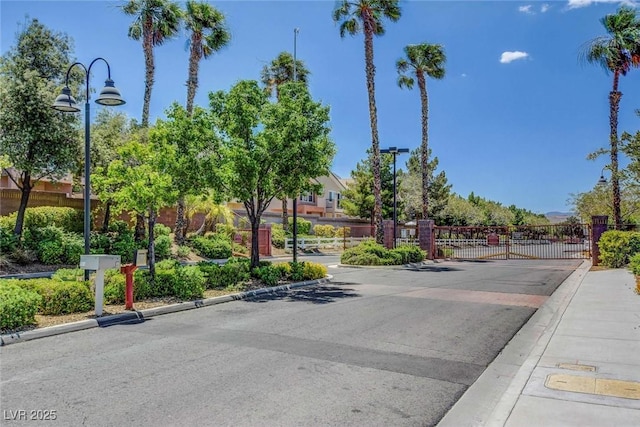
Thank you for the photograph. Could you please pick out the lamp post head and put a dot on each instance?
(394, 150)
(602, 180)
(110, 95)
(65, 102)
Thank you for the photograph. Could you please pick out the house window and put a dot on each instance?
(308, 197)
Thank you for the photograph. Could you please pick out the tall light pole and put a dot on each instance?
(295, 199)
(66, 103)
(394, 151)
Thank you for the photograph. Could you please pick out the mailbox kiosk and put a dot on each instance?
(99, 263)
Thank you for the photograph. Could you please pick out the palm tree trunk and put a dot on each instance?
(147, 47)
(180, 223)
(424, 147)
(192, 81)
(614, 103)
(373, 114)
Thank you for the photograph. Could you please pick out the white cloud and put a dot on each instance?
(525, 9)
(463, 75)
(507, 57)
(575, 4)
(544, 8)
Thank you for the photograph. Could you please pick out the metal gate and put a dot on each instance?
(513, 242)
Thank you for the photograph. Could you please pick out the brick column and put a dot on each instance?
(387, 228)
(426, 237)
(599, 224)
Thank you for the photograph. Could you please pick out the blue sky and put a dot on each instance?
(513, 120)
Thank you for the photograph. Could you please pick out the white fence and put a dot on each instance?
(324, 242)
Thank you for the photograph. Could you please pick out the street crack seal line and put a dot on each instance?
(599, 386)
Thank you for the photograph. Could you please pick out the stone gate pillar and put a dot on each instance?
(426, 238)
(387, 228)
(599, 224)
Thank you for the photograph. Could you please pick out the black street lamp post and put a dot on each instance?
(394, 151)
(295, 199)
(66, 103)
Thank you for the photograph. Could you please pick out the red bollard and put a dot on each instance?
(128, 270)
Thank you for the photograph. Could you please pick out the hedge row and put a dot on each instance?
(371, 253)
(617, 247)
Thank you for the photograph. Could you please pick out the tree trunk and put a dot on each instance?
(107, 215)
(194, 60)
(147, 47)
(25, 192)
(285, 215)
(614, 102)
(139, 231)
(255, 248)
(152, 247)
(180, 223)
(369, 26)
(424, 147)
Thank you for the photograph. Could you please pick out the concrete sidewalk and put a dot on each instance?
(575, 363)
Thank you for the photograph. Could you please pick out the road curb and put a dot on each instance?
(139, 316)
(490, 400)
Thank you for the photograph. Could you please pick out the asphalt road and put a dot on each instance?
(376, 347)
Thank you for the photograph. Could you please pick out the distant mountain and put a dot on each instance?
(556, 217)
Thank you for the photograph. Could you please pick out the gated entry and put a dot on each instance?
(513, 242)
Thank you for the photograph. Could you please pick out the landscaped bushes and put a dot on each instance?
(118, 240)
(69, 219)
(371, 253)
(233, 272)
(324, 230)
(304, 226)
(18, 306)
(57, 297)
(278, 236)
(213, 246)
(616, 247)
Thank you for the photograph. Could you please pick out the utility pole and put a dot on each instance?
(295, 199)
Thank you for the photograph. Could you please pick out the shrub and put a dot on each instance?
(212, 248)
(410, 253)
(161, 230)
(69, 275)
(284, 268)
(324, 230)
(115, 287)
(614, 248)
(18, 306)
(60, 297)
(634, 264)
(297, 271)
(222, 276)
(313, 270)
(239, 249)
(226, 230)
(8, 241)
(268, 274)
(189, 284)
(183, 251)
(304, 226)
(343, 232)
(278, 236)
(24, 256)
(118, 240)
(162, 247)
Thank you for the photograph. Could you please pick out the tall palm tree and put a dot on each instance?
(280, 71)
(208, 34)
(422, 59)
(155, 22)
(617, 52)
(367, 16)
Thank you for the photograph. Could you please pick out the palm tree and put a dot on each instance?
(280, 71)
(617, 52)
(367, 16)
(155, 22)
(209, 34)
(422, 59)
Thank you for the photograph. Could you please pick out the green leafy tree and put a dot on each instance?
(422, 60)
(144, 185)
(110, 130)
(195, 148)
(617, 52)
(358, 199)
(271, 149)
(411, 191)
(278, 72)
(367, 16)
(37, 141)
(155, 21)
